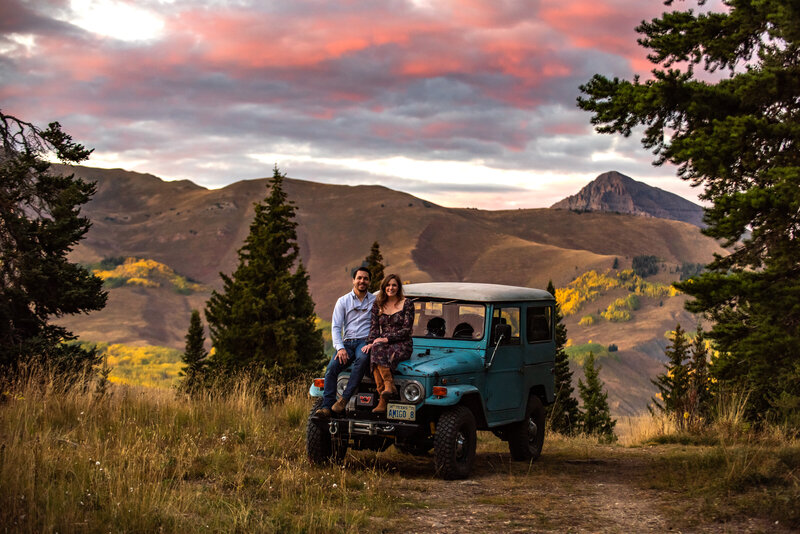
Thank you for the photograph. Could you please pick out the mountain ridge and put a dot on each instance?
(615, 192)
(198, 231)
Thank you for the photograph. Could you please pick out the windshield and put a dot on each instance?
(448, 319)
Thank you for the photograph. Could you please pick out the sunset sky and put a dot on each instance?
(461, 102)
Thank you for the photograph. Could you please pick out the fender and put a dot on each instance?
(454, 395)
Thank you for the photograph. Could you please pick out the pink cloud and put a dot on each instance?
(238, 37)
(458, 77)
(604, 25)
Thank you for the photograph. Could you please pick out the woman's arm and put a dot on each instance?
(374, 326)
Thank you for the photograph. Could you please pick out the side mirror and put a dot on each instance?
(501, 331)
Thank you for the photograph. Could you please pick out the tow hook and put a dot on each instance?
(333, 428)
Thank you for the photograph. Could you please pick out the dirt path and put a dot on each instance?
(600, 489)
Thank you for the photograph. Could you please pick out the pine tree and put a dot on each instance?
(596, 418)
(40, 223)
(263, 319)
(374, 262)
(673, 386)
(563, 414)
(194, 356)
(699, 395)
(736, 135)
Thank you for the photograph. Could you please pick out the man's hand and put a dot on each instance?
(341, 355)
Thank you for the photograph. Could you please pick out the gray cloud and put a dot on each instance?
(368, 80)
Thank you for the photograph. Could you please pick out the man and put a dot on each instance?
(349, 330)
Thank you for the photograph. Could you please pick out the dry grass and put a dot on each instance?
(637, 429)
(144, 459)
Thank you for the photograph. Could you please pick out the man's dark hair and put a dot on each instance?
(361, 268)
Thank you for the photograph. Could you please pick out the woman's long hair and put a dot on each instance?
(382, 296)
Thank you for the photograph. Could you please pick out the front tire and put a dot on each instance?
(321, 447)
(526, 438)
(454, 443)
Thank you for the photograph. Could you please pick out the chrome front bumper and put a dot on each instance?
(353, 427)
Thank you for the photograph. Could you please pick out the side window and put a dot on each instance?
(510, 317)
(540, 324)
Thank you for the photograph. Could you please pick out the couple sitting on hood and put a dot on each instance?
(371, 332)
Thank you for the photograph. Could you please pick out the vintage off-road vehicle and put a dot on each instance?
(483, 360)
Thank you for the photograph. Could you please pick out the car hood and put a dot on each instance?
(442, 362)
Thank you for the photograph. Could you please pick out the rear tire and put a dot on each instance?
(321, 447)
(454, 443)
(526, 438)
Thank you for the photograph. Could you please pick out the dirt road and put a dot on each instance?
(594, 488)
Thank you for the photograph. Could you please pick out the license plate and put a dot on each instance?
(404, 412)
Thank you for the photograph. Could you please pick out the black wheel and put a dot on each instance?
(415, 448)
(321, 447)
(454, 443)
(526, 438)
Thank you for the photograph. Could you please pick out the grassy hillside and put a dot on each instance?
(178, 227)
(197, 232)
(150, 301)
(145, 460)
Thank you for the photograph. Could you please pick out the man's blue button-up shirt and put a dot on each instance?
(351, 318)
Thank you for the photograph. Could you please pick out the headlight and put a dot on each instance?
(413, 392)
(341, 384)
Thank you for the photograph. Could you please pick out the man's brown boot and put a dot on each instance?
(389, 391)
(339, 405)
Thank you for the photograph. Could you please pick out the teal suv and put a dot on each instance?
(483, 360)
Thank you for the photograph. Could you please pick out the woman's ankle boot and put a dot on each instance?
(381, 407)
(379, 385)
(389, 391)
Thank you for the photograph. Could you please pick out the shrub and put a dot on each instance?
(645, 266)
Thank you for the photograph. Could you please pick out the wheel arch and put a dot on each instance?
(541, 392)
(474, 404)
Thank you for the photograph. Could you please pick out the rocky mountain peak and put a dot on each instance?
(614, 192)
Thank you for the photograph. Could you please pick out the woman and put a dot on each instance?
(389, 336)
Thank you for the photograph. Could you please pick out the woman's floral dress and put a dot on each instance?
(397, 329)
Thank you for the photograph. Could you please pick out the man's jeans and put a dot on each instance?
(353, 348)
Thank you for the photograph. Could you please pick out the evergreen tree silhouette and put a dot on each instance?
(374, 262)
(194, 356)
(40, 223)
(563, 414)
(263, 320)
(596, 418)
(673, 385)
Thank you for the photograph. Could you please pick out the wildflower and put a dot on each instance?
(335, 485)
(224, 438)
(97, 462)
(686, 415)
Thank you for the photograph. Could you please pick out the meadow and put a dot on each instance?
(136, 459)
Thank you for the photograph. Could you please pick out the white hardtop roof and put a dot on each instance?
(475, 292)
